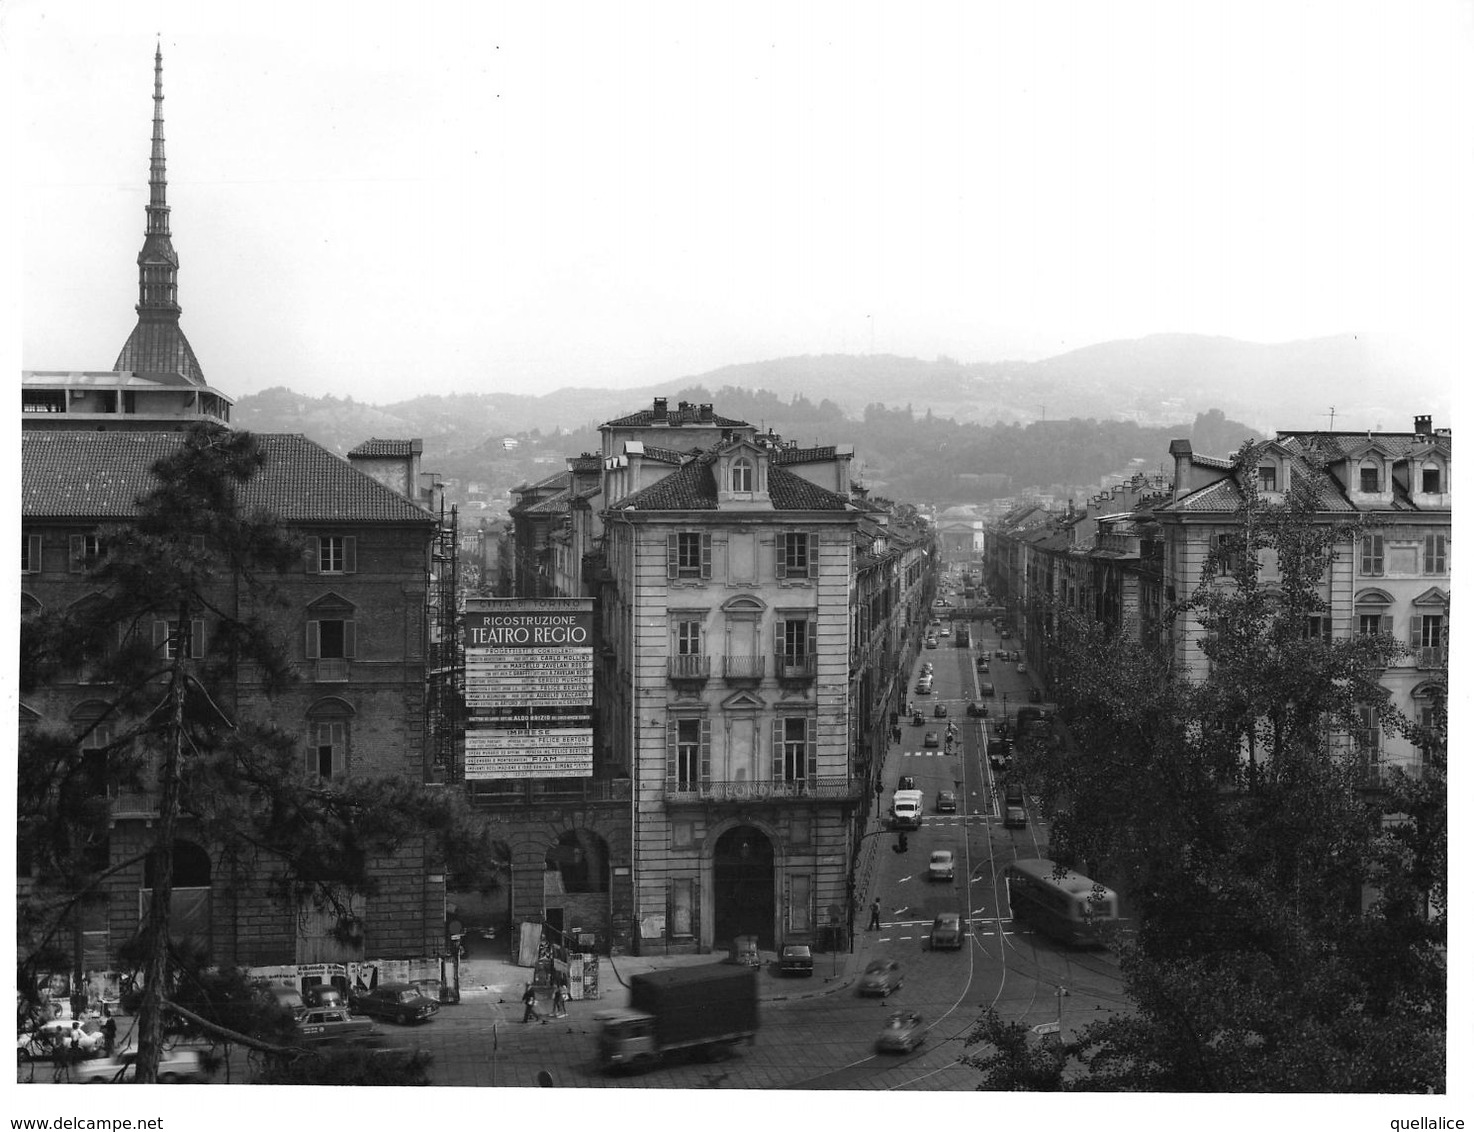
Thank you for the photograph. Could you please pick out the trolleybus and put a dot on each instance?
(1070, 907)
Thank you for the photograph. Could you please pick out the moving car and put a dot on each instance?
(174, 1065)
(797, 959)
(940, 866)
(931, 739)
(931, 642)
(903, 1031)
(396, 1002)
(944, 632)
(1015, 817)
(985, 689)
(946, 932)
(923, 686)
(999, 752)
(881, 977)
(940, 711)
(906, 782)
(946, 802)
(978, 709)
(917, 719)
(1023, 667)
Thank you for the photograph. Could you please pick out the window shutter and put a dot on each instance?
(780, 563)
(161, 634)
(197, 638)
(705, 749)
(33, 542)
(350, 555)
(1385, 624)
(74, 563)
(350, 639)
(811, 637)
(338, 734)
(811, 741)
(672, 556)
(1415, 630)
(314, 740)
(778, 639)
(778, 750)
(313, 650)
(813, 554)
(706, 556)
(314, 554)
(672, 733)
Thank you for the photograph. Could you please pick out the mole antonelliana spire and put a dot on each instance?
(157, 345)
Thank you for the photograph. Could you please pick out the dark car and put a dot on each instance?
(1035, 696)
(881, 977)
(977, 709)
(1015, 817)
(946, 802)
(797, 959)
(395, 1002)
(946, 932)
(940, 711)
(999, 752)
(985, 689)
(323, 994)
(917, 719)
(903, 1031)
(1004, 634)
(982, 664)
(906, 782)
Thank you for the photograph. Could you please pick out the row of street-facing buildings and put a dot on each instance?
(1130, 554)
(752, 615)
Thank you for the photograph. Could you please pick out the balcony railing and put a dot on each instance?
(547, 791)
(689, 667)
(836, 788)
(797, 666)
(134, 804)
(332, 670)
(742, 668)
(1431, 656)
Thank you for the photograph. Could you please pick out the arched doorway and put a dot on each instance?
(742, 887)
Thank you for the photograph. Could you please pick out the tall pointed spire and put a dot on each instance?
(157, 344)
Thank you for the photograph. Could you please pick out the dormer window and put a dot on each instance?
(1268, 477)
(1432, 479)
(1371, 478)
(742, 474)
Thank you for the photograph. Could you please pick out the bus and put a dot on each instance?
(1070, 907)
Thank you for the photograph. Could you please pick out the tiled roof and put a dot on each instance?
(694, 488)
(691, 414)
(100, 475)
(666, 455)
(803, 455)
(585, 463)
(375, 447)
(552, 505)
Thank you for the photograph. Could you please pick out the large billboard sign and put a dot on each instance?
(529, 687)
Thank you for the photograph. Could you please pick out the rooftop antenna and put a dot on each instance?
(1333, 418)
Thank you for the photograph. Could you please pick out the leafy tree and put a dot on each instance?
(174, 727)
(1235, 811)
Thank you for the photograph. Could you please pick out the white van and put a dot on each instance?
(906, 809)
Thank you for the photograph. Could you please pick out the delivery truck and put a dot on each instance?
(906, 807)
(702, 1010)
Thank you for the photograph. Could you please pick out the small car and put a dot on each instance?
(923, 687)
(1004, 634)
(982, 664)
(931, 642)
(940, 867)
(1023, 667)
(903, 1032)
(1035, 696)
(940, 711)
(977, 709)
(946, 932)
(931, 739)
(999, 752)
(926, 667)
(881, 977)
(917, 719)
(1015, 817)
(175, 1065)
(323, 994)
(395, 1002)
(906, 782)
(1000, 654)
(985, 689)
(946, 802)
(944, 631)
(797, 959)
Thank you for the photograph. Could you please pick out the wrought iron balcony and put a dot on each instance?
(689, 667)
(796, 665)
(1431, 656)
(332, 670)
(514, 793)
(761, 792)
(743, 669)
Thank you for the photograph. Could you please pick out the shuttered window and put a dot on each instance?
(332, 638)
(1435, 554)
(167, 639)
(30, 554)
(327, 750)
(1371, 555)
(688, 752)
(797, 555)
(688, 555)
(332, 554)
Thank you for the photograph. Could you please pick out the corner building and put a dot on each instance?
(729, 560)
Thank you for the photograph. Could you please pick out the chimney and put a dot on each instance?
(707, 416)
(1423, 426)
(660, 413)
(1182, 459)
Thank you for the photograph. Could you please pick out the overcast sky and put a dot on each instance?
(378, 200)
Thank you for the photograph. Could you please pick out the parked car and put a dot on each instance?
(175, 1065)
(931, 739)
(903, 1031)
(1000, 654)
(396, 1002)
(940, 711)
(797, 959)
(977, 709)
(982, 664)
(999, 752)
(881, 977)
(926, 667)
(323, 994)
(946, 802)
(931, 642)
(328, 1024)
(1015, 817)
(985, 689)
(940, 867)
(946, 932)
(944, 631)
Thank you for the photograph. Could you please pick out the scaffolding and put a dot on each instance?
(445, 694)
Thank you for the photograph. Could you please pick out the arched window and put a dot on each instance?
(328, 734)
(742, 474)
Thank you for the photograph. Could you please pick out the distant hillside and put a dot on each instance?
(904, 414)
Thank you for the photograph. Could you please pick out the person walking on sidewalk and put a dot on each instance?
(529, 1002)
(560, 1002)
(875, 915)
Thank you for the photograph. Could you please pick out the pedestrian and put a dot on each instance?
(875, 915)
(109, 1032)
(529, 1002)
(560, 1002)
